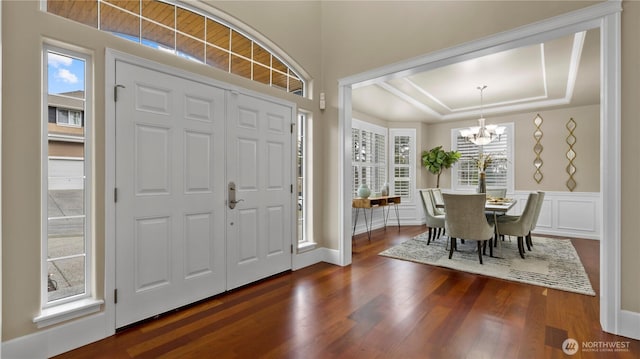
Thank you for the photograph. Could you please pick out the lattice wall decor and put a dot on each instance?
(537, 148)
(571, 154)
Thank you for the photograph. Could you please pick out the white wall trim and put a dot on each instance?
(605, 16)
(629, 324)
(56, 340)
(307, 258)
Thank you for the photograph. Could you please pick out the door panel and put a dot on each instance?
(259, 229)
(170, 155)
(178, 144)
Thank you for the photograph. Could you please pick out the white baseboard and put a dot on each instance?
(629, 324)
(331, 256)
(57, 340)
(305, 259)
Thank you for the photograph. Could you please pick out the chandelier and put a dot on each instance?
(483, 134)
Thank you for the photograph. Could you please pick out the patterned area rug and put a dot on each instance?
(552, 263)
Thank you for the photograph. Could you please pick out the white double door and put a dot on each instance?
(180, 145)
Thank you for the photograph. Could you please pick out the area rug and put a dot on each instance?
(552, 263)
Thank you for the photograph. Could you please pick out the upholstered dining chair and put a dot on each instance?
(465, 219)
(435, 222)
(535, 219)
(519, 226)
(436, 199)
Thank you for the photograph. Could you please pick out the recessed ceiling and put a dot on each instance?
(559, 73)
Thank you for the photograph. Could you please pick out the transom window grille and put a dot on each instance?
(173, 28)
(403, 152)
(499, 174)
(369, 162)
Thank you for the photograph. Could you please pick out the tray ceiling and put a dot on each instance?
(564, 72)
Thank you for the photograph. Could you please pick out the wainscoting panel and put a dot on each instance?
(571, 214)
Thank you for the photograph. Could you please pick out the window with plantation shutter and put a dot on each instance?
(403, 153)
(499, 174)
(368, 156)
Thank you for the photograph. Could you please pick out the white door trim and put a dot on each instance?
(606, 17)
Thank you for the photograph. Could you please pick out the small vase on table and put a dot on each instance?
(364, 191)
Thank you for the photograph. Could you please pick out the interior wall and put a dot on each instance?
(21, 133)
(587, 148)
(630, 246)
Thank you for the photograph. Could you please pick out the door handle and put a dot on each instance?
(232, 196)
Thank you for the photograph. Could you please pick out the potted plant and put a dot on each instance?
(436, 160)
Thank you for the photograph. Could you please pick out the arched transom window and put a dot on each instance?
(187, 33)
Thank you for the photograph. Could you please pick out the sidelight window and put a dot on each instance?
(66, 275)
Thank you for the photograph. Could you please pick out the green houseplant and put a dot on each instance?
(436, 160)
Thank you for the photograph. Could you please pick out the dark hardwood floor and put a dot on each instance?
(376, 308)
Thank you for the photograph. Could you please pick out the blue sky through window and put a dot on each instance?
(65, 74)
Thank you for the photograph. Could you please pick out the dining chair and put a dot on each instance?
(465, 219)
(436, 198)
(535, 219)
(435, 222)
(519, 226)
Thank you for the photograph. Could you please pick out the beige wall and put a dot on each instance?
(554, 145)
(330, 40)
(21, 121)
(630, 251)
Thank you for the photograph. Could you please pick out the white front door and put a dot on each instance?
(259, 163)
(177, 240)
(170, 237)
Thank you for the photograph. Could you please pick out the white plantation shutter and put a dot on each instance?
(403, 152)
(499, 174)
(368, 158)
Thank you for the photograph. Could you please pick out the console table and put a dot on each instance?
(371, 203)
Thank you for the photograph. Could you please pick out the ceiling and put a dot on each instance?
(563, 72)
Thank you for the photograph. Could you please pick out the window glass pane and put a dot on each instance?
(190, 23)
(82, 11)
(217, 58)
(218, 34)
(190, 48)
(279, 80)
(159, 12)
(278, 65)
(261, 55)
(240, 45)
(467, 169)
(401, 145)
(66, 278)
(295, 86)
(169, 27)
(240, 66)
(132, 6)
(300, 182)
(66, 238)
(261, 74)
(154, 35)
(117, 21)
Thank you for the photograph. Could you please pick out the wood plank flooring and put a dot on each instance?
(376, 308)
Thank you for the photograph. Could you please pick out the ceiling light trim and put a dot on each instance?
(574, 64)
(407, 98)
